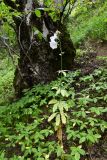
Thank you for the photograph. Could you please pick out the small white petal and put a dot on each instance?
(53, 44)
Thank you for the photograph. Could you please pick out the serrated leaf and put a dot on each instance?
(52, 117)
(58, 120)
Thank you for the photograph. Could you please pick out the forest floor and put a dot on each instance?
(95, 57)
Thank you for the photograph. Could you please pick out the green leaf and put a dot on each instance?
(63, 118)
(58, 91)
(64, 93)
(55, 107)
(91, 138)
(61, 107)
(38, 13)
(53, 101)
(59, 151)
(77, 156)
(58, 120)
(97, 136)
(81, 151)
(82, 140)
(52, 117)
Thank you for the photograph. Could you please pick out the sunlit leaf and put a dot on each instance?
(58, 120)
(38, 13)
(52, 117)
(53, 101)
(63, 118)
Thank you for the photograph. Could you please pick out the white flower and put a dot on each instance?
(54, 40)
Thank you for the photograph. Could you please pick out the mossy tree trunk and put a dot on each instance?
(38, 62)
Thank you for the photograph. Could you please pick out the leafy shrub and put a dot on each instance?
(6, 79)
(56, 121)
(88, 23)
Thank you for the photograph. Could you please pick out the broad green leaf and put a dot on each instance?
(91, 138)
(63, 118)
(82, 139)
(58, 91)
(60, 151)
(64, 93)
(52, 117)
(60, 108)
(55, 107)
(81, 151)
(97, 135)
(53, 101)
(77, 156)
(58, 120)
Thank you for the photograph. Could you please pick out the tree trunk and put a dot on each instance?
(38, 62)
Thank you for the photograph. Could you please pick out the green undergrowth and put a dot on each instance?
(6, 79)
(102, 58)
(58, 121)
(88, 22)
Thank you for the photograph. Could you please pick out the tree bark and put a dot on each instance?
(38, 63)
